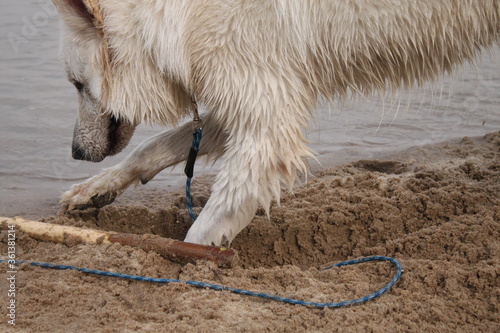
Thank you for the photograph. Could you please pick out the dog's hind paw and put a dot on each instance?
(98, 191)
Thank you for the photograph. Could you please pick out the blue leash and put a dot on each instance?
(376, 294)
(189, 169)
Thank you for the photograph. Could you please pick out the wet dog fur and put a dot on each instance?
(258, 67)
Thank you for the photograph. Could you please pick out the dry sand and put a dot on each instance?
(434, 208)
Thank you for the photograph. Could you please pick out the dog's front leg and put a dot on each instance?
(260, 154)
(233, 201)
(142, 164)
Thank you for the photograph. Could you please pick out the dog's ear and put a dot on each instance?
(74, 11)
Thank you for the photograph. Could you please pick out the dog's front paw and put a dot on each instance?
(197, 236)
(97, 201)
(211, 232)
(98, 191)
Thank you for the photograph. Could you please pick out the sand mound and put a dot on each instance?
(434, 208)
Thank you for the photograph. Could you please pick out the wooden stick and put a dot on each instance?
(168, 248)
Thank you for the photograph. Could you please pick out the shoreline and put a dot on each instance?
(34, 207)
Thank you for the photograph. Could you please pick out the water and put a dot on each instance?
(38, 110)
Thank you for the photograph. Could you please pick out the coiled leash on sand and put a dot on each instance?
(189, 170)
(204, 285)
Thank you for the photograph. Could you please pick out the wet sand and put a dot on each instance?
(434, 208)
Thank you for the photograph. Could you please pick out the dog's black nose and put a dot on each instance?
(77, 153)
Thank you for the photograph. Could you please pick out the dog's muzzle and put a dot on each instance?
(117, 137)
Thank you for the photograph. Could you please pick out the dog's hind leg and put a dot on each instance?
(143, 163)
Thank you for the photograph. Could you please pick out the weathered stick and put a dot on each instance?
(168, 248)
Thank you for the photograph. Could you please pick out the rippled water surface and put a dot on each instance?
(38, 110)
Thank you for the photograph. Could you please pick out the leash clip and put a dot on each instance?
(197, 123)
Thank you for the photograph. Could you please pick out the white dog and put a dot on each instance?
(258, 67)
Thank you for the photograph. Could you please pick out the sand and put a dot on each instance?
(435, 208)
